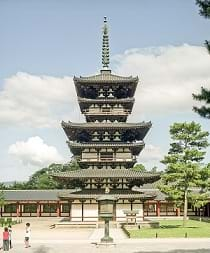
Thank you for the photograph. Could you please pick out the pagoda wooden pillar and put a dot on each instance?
(38, 210)
(143, 205)
(70, 209)
(58, 211)
(114, 211)
(178, 211)
(82, 206)
(18, 210)
(208, 209)
(158, 208)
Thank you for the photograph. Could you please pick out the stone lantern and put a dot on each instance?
(106, 203)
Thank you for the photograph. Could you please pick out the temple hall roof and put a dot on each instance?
(119, 194)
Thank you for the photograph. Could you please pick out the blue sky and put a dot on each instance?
(63, 37)
(56, 39)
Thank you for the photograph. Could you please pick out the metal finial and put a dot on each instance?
(105, 45)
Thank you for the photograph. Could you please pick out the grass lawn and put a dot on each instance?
(173, 228)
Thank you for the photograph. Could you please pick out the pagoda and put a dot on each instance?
(106, 146)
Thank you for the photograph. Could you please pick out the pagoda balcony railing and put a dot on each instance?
(107, 112)
(107, 160)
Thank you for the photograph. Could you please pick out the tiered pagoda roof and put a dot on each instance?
(72, 129)
(104, 77)
(110, 173)
(107, 79)
(135, 178)
(75, 147)
(106, 125)
(106, 146)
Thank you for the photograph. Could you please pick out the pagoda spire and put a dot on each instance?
(105, 46)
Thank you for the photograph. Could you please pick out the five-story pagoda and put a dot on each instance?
(106, 146)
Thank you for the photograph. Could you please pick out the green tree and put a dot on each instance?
(46, 182)
(3, 186)
(203, 111)
(154, 169)
(139, 167)
(205, 12)
(42, 179)
(18, 186)
(204, 96)
(2, 201)
(184, 169)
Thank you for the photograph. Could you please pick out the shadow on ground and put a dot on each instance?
(175, 226)
(41, 249)
(179, 251)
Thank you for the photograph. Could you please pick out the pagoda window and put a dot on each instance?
(123, 156)
(126, 150)
(106, 156)
(105, 110)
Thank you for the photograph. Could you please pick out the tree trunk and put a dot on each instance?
(185, 208)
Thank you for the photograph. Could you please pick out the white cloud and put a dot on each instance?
(35, 152)
(168, 76)
(37, 101)
(151, 154)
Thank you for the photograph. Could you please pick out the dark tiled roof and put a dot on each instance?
(54, 195)
(107, 173)
(32, 195)
(107, 125)
(104, 77)
(120, 194)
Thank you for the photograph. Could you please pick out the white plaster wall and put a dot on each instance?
(120, 216)
(140, 208)
(90, 212)
(76, 212)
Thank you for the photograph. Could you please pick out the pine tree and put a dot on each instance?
(205, 12)
(204, 111)
(183, 166)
